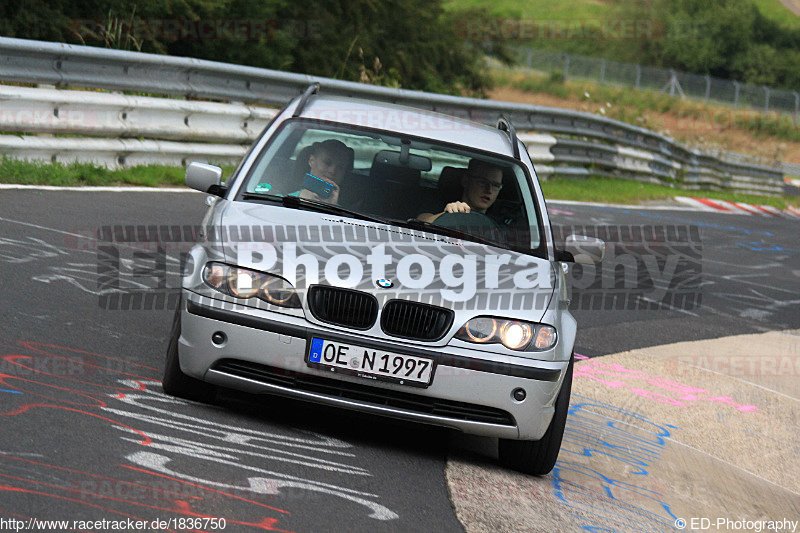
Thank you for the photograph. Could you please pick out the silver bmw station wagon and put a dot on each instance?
(389, 260)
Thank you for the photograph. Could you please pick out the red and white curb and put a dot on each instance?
(736, 208)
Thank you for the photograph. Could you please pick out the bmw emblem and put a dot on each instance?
(384, 283)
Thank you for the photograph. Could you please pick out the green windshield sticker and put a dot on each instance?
(263, 187)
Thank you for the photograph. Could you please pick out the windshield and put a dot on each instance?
(406, 181)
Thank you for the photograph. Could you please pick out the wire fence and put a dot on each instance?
(672, 82)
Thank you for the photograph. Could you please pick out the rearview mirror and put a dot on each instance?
(202, 177)
(416, 162)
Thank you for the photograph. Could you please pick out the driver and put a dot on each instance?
(481, 184)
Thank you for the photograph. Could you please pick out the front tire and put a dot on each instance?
(538, 457)
(175, 382)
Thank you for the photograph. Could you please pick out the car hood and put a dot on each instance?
(308, 248)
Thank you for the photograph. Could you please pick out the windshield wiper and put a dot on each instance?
(262, 196)
(295, 202)
(415, 223)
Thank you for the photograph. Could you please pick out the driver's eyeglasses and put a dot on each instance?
(483, 182)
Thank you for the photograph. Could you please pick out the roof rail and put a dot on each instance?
(505, 125)
(310, 90)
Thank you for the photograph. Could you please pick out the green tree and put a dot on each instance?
(724, 38)
(412, 44)
(700, 35)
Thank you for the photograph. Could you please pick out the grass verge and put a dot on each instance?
(628, 192)
(629, 105)
(87, 174)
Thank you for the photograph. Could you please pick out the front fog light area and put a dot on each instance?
(245, 284)
(513, 334)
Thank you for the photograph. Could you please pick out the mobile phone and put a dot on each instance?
(318, 186)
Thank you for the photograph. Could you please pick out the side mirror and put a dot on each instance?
(204, 178)
(585, 250)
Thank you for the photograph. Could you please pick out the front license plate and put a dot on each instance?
(369, 363)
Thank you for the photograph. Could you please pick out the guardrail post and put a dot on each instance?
(735, 94)
(566, 67)
(530, 58)
(766, 99)
(796, 105)
(708, 87)
(638, 75)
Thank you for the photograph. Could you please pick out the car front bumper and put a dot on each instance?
(264, 353)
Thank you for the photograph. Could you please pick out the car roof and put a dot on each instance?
(408, 120)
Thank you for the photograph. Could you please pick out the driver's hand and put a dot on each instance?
(457, 207)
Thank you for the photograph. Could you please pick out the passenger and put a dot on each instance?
(330, 161)
(481, 184)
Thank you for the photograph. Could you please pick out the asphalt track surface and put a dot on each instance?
(88, 435)
(746, 270)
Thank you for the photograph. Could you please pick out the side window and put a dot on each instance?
(274, 167)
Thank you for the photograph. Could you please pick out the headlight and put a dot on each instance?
(244, 283)
(216, 276)
(278, 291)
(516, 335)
(513, 334)
(480, 329)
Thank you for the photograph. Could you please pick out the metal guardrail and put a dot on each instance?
(93, 113)
(116, 153)
(573, 142)
(791, 169)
